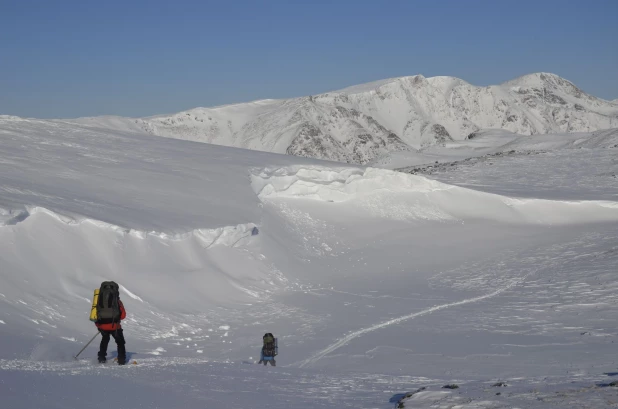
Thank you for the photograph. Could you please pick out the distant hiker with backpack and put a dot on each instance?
(270, 349)
(109, 313)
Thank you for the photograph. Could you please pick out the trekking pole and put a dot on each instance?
(82, 350)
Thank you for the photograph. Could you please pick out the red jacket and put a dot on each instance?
(115, 325)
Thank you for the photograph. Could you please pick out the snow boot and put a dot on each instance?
(122, 353)
(101, 355)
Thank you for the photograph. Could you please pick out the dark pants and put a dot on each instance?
(119, 338)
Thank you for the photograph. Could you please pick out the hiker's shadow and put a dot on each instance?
(607, 385)
(130, 355)
(397, 397)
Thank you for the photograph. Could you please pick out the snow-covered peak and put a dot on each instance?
(536, 79)
(547, 82)
(375, 85)
(447, 82)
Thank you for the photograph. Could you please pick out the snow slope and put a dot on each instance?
(360, 123)
(376, 282)
(560, 166)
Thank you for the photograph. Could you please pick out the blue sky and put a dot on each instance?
(135, 58)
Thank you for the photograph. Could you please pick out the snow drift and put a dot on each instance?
(395, 195)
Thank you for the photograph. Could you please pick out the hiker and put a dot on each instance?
(110, 312)
(269, 349)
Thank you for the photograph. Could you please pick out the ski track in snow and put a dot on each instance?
(356, 334)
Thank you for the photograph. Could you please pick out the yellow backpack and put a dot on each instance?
(93, 310)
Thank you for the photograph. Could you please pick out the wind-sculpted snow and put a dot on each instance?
(227, 235)
(399, 196)
(377, 282)
(125, 179)
(337, 184)
(192, 252)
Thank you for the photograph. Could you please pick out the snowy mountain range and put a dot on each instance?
(361, 123)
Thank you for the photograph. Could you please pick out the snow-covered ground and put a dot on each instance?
(377, 283)
(562, 166)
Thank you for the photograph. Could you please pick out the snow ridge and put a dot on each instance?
(400, 196)
(226, 236)
(337, 184)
